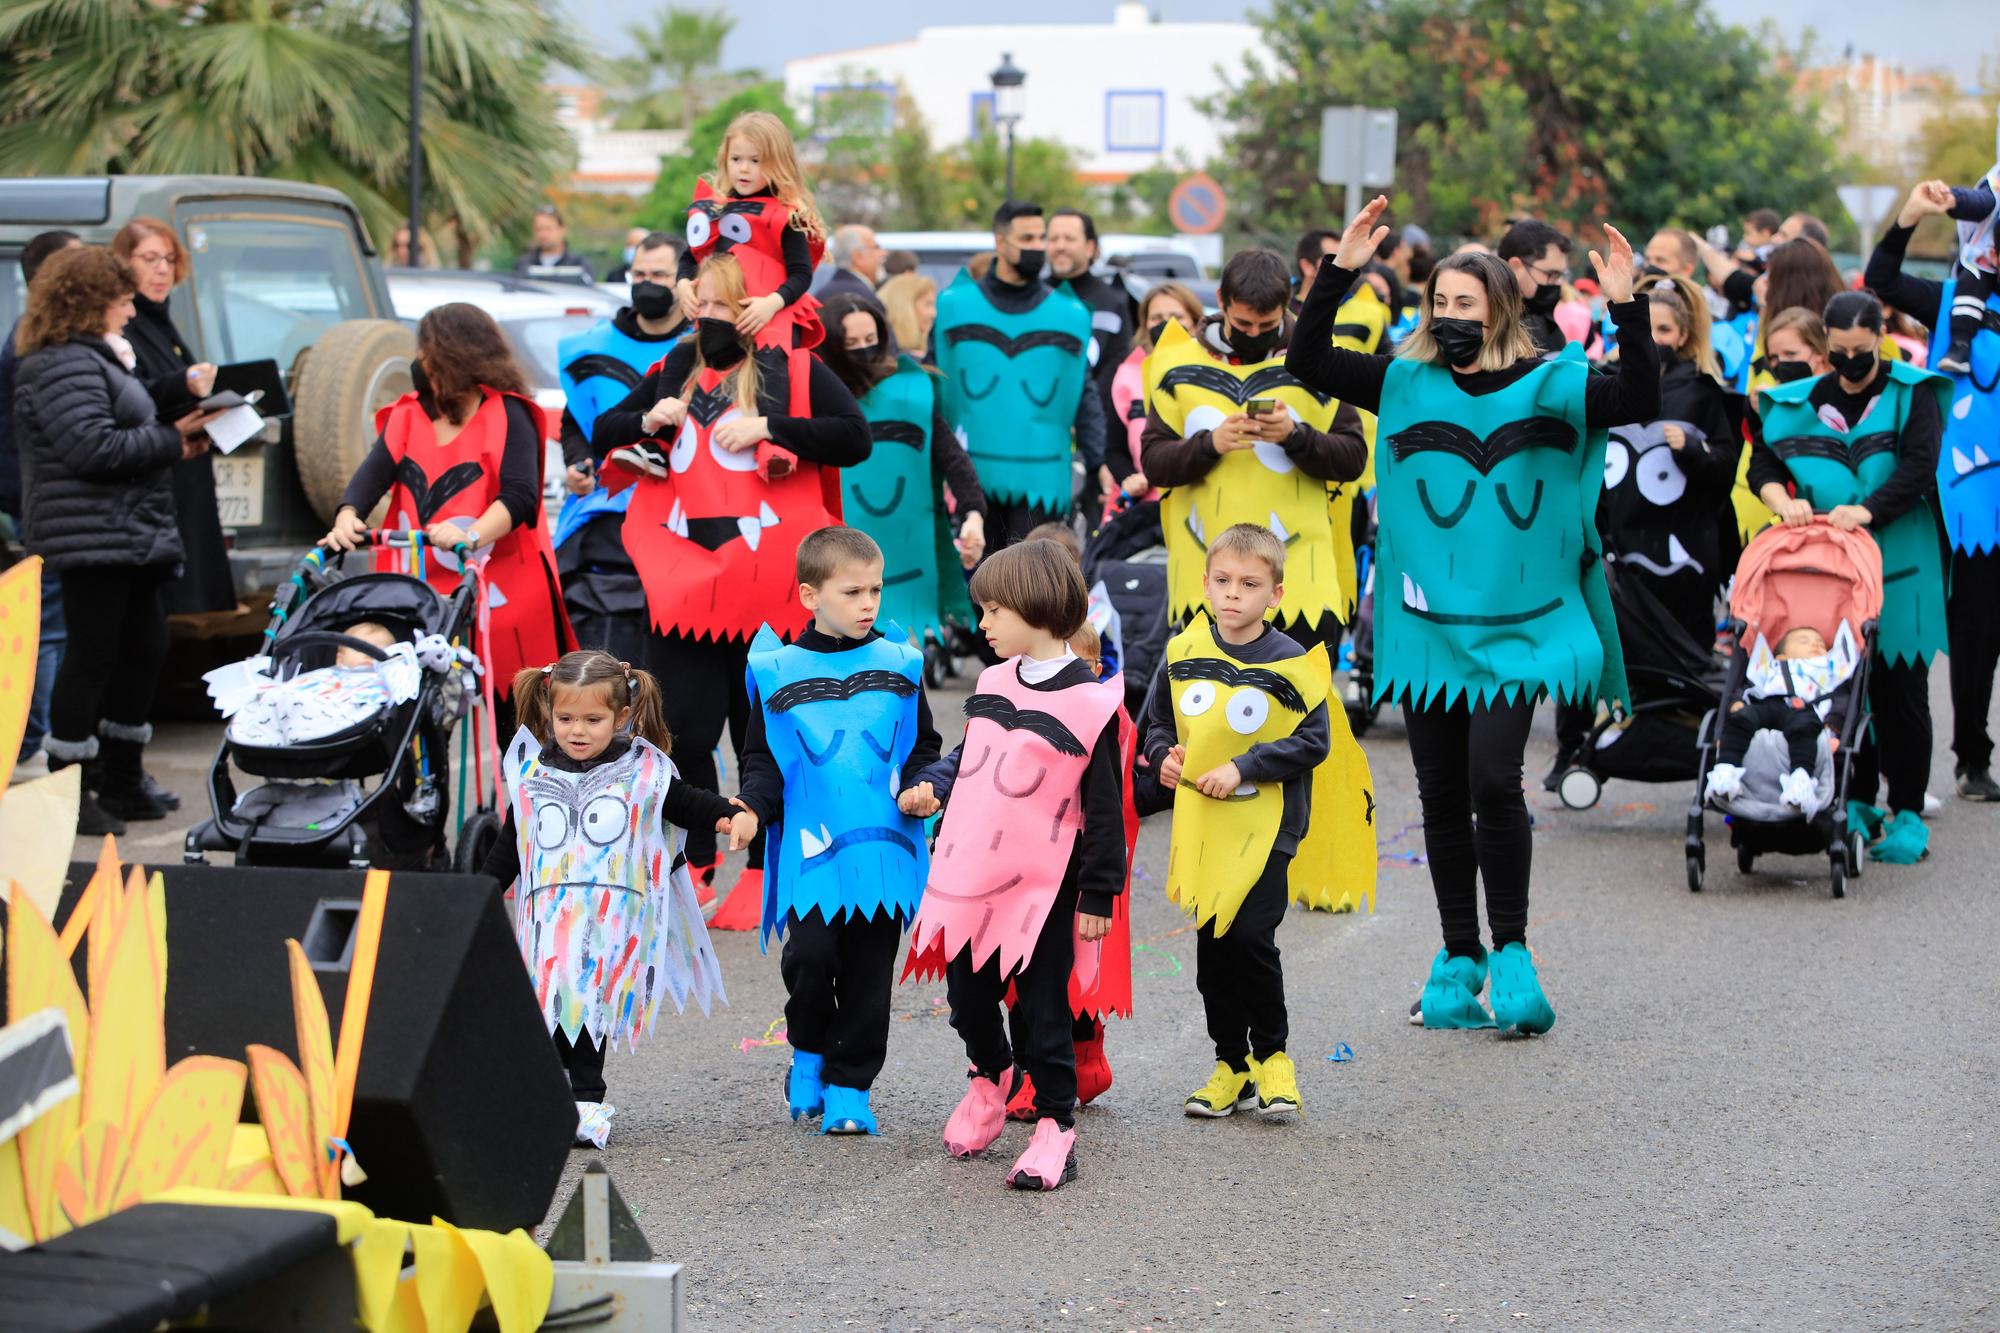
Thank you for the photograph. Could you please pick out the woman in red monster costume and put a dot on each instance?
(460, 459)
(728, 442)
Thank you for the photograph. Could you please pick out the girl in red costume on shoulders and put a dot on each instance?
(756, 207)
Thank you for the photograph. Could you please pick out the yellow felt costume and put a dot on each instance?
(1222, 707)
(1191, 391)
(1334, 868)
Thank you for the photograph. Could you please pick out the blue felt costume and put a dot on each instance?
(596, 369)
(1969, 461)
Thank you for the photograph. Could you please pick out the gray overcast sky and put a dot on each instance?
(1952, 34)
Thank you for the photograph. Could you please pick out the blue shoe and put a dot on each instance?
(1451, 996)
(847, 1112)
(1905, 841)
(1519, 1007)
(804, 1094)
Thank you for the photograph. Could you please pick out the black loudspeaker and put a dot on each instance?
(461, 1107)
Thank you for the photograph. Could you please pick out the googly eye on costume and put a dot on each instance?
(744, 460)
(1617, 462)
(699, 229)
(1247, 710)
(1198, 698)
(735, 228)
(604, 820)
(551, 826)
(681, 457)
(1659, 476)
(1201, 417)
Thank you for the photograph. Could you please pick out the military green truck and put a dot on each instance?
(281, 271)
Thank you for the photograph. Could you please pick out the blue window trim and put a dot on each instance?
(1158, 95)
(975, 126)
(887, 91)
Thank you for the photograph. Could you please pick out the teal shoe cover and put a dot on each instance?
(1519, 1006)
(1905, 841)
(847, 1112)
(803, 1094)
(1866, 818)
(1451, 995)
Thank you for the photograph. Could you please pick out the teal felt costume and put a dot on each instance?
(1833, 468)
(1490, 582)
(1012, 383)
(892, 496)
(840, 727)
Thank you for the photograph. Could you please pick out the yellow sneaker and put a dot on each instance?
(1277, 1086)
(1226, 1091)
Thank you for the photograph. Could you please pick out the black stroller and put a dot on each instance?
(1674, 683)
(317, 807)
(1790, 577)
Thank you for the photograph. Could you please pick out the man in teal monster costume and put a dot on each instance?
(1968, 479)
(1860, 445)
(1015, 363)
(894, 497)
(597, 368)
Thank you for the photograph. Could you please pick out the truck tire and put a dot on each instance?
(351, 371)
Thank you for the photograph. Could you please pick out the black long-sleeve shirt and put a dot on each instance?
(685, 806)
(1920, 298)
(1021, 297)
(951, 465)
(1171, 459)
(1633, 394)
(763, 785)
(1917, 448)
(1098, 863)
(797, 251)
(835, 435)
(520, 470)
(1289, 759)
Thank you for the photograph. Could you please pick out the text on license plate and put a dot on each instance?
(239, 490)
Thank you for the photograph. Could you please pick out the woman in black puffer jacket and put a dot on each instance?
(97, 472)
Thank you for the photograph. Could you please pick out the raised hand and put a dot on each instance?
(1614, 275)
(1359, 242)
(1927, 199)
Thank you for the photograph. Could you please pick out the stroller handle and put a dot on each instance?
(412, 538)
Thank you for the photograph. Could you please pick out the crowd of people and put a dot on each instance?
(780, 500)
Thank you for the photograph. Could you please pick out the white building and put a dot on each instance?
(1121, 94)
(610, 161)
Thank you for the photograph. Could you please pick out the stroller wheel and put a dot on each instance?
(1579, 788)
(1694, 874)
(1857, 853)
(1840, 876)
(1746, 860)
(475, 840)
(933, 666)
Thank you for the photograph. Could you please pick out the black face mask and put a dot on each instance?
(1253, 346)
(867, 355)
(1789, 372)
(1461, 340)
(652, 300)
(1543, 302)
(1157, 330)
(1854, 367)
(721, 345)
(1028, 267)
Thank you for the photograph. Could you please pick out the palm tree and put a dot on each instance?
(684, 46)
(307, 90)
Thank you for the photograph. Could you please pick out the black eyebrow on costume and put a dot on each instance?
(820, 689)
(1282, 691)
(994, 708)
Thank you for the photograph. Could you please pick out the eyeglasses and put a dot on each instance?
(1550, 275)
(154, 259)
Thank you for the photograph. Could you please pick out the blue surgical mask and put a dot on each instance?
(629, 252)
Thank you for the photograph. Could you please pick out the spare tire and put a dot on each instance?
(347, 375)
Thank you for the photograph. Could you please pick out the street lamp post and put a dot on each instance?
(415, 256)
(1009, 100)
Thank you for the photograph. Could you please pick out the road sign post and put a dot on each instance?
(1197, 205)
(1868, 205)
(1357, 148)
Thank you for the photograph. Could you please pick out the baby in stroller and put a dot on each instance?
(263, 710)
(1796, 693)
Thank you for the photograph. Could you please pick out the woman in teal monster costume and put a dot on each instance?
(893, 495)
(1491, 590)
(1860, 445)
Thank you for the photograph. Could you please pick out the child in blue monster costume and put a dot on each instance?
(597, 368)
(1014, 357)
(1488, 464)
(1860, 445)
(1968, 479)
(839, 728)
(893, 494)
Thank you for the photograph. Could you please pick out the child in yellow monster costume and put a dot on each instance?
(1235, 725)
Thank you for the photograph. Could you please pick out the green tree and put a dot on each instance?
(307, 90)
(665, 208)
(1957, 146)
(974, 176)
(1643, 112)
(671, 72)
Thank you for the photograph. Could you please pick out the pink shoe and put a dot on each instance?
(1050, 1161)
(980, 1116)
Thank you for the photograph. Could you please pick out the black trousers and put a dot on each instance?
(1241, 981)
(1800, 726)
(701, 688)
(117, 640)
(839, 978)
(1468, 763)
(1897, 747)
(1972, 622)
(584, 1059)
(1041, 1022)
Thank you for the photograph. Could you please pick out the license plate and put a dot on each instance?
(239, 490)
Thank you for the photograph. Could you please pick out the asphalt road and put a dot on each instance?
(1759, 1108)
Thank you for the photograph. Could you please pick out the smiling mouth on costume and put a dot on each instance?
(1419, 606)
(1677, 559)
(712, 534)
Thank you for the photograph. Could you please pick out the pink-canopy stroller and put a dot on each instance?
(1814, 576)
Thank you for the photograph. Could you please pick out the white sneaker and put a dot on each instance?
(644, 457)
(1724, 781)
(1797, 789)
(593, 1123)
(1931, 805)
(34, 766)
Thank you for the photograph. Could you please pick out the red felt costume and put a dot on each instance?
(751, 230)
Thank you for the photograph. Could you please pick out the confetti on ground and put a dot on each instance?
(774, 1035)
(1638, 808)
(1173, 968)
(1342, 1054)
